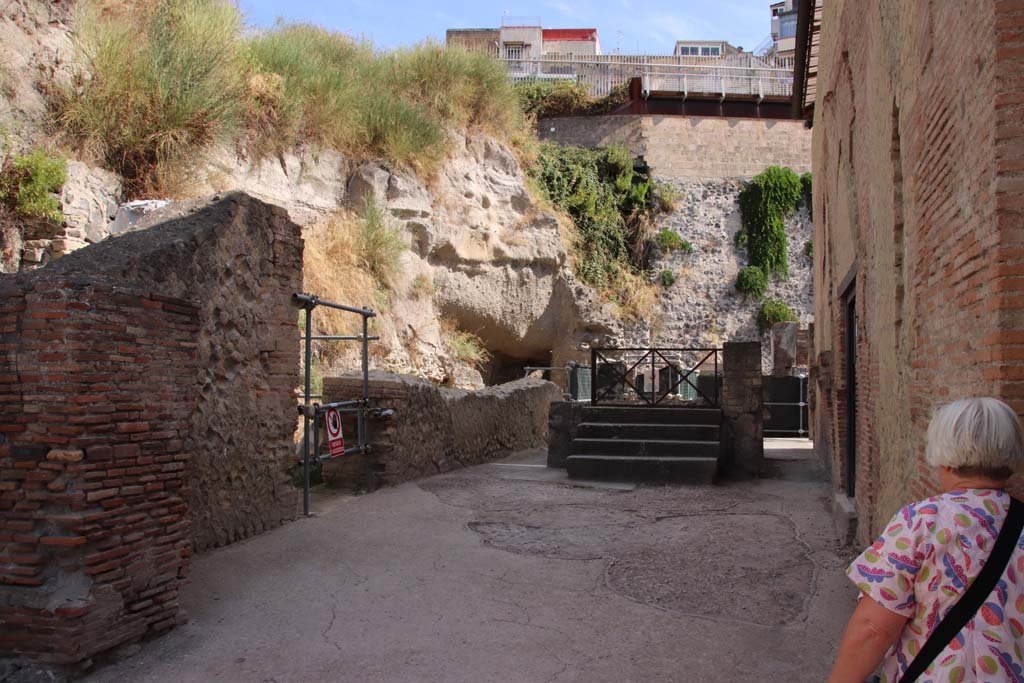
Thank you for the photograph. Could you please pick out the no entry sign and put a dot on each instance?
(335, 439)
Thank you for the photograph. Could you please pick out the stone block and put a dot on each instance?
(563, 419)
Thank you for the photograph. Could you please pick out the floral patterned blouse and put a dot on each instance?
(920, 566)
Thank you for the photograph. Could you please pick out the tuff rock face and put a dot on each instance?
(497, 261)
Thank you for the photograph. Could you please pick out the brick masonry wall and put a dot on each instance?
(435, 429)
(919, 169)
(241, 260)
(691, 147)
(96, 389)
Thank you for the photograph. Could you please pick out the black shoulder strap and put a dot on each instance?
(973, 598)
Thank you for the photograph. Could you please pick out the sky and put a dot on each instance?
(631, 26)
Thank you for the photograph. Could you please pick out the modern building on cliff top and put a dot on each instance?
(525, 38)
(705, 48)
(918, 161)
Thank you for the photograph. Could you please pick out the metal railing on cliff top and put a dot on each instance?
(742, 75)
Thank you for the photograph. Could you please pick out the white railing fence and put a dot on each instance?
(732, 75)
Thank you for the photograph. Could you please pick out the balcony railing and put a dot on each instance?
(737, 75)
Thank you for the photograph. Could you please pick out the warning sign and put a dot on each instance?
(335, 439)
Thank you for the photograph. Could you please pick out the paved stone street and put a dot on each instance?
(506, 572)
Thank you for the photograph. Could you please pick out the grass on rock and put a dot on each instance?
(463, 345)
(163, 80)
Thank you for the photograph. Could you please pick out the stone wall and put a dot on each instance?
(435, 429)
(918, 154)
(742, 411)
(97, 384)
(691, 147)
(703, 308)
(241, 260)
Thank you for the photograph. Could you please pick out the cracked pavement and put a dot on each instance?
(508, 572)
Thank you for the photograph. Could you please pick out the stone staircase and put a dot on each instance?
(646, 444)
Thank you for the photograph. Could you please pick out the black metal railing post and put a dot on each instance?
(305, 439)
(718, 382)
(593, 376)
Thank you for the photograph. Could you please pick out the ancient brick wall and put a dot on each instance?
(918, 176)
(240, 260)
(691, 147)
(436, 429)
(97, 384)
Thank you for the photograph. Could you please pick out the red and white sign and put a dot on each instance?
(335, 439)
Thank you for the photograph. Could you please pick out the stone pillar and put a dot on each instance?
(784, 348)
(742, 444)
(563, 418)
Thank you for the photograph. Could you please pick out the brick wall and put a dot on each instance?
(240, 259)
(692, 147)
(918, 172)
(96, 389)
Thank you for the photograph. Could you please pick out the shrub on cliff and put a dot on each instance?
(29, 185)
(546, 99)
(774, 311)
(611, 201)
(752, 282)
(765, 203)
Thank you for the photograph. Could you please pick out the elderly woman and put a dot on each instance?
(932, 551)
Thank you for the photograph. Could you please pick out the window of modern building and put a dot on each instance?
(513, 50)
(715, 51)
(787, 25)
(705, 52)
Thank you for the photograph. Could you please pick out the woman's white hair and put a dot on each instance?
(975, 432)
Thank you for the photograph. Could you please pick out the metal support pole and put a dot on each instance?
(654, 378)
(718, 382)
(593, 376)
(361, 415)
(305, 440)
(316, 434)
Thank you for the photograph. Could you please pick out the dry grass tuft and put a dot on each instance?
(464, 346)
(634, 296)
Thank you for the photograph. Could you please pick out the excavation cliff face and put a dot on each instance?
(496, 260)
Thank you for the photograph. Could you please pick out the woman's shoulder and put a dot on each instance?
(985, 504)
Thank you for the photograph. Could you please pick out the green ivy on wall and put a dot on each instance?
(765, 203)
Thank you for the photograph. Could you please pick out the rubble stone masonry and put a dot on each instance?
(918, 159)
(147, 410)
(437, 429)
(96, 389)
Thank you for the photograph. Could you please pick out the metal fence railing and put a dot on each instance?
(656, 377)
(600, 74)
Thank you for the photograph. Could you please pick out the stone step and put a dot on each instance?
(645, 430)
(649, 415)
(647, 468)
(645, 447)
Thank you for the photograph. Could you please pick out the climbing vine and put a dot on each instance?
(752, 282)
(765, 203)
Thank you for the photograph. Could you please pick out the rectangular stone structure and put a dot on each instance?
(742, 436)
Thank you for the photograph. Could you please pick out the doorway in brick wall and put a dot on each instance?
(851, 396)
